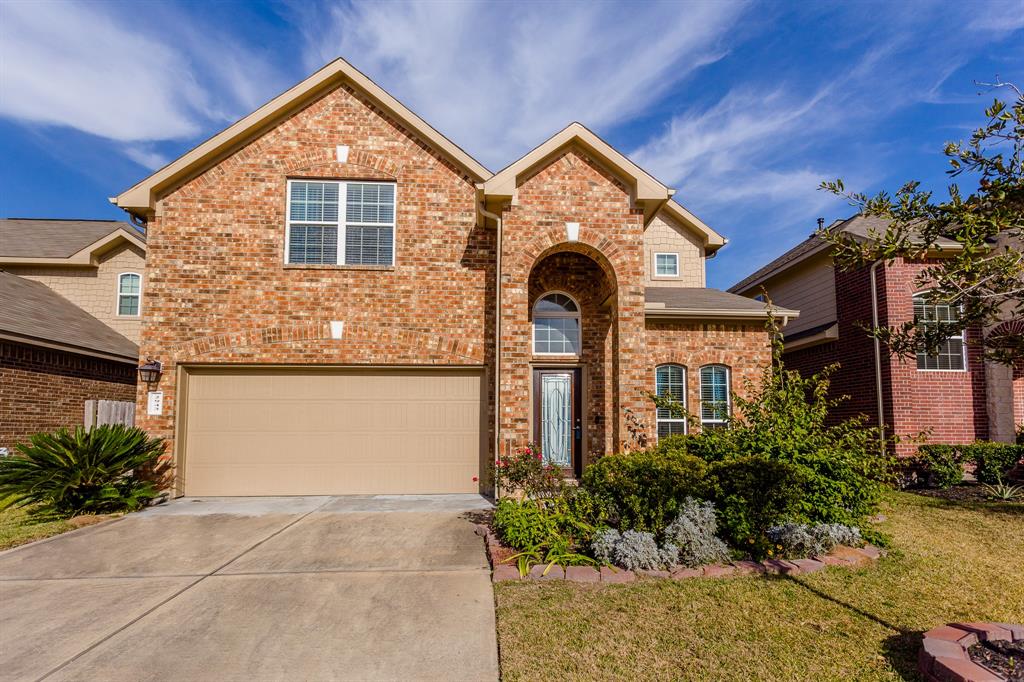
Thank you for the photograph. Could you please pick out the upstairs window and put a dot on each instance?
(556, 325)
(129, 293)
(951, 352)
(319, 232)
(666, 264)
(714, 395)
(670, 380)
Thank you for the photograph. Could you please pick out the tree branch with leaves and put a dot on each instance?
(973, 243)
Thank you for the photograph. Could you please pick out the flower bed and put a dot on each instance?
(975, 652)
(498, 554)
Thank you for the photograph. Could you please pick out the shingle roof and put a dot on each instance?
(52, 238)
(858, 225)
(711, 302)
(34, 311)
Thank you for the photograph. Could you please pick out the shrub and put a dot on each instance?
(524, 471)
(801, 540)
(108, 468)
(992, 461)
(752, 494)
(671, 444)
(603, 544)
(523, 524)
(644, 490)
(693, 534)
(844, 467)
(942, 466)
(637, 550)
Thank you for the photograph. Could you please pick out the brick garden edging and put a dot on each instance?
(944, 657)
(840, 556)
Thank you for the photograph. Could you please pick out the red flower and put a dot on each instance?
(539, 457)
(475, 479)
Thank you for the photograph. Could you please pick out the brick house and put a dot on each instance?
(346, 302)
(70, 303)
(956, 396)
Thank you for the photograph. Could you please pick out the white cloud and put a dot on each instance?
(78, 65)
(499, 79)
(145, 156)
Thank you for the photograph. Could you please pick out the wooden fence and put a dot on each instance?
(99, 412)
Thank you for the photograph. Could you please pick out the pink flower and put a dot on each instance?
(539, 457)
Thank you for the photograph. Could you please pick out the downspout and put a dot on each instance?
(497, 339)
(878, 351)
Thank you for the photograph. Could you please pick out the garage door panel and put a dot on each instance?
(306, 432)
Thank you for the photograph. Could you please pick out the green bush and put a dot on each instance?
(105, 469)
(942, 466)
(563, 523)
(753, 494)
(644, 490)
(992, 461)
(523, 524)
(785, 418)
(668, 444)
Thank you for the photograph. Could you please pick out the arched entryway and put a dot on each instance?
(572, 326)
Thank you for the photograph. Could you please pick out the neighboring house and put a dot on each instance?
(956, 395)
(346, 302)
(70, 303)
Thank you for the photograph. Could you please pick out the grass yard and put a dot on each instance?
(950, 561)
(17, 526)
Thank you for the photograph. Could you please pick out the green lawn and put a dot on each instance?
(950, 561)
(17, 526)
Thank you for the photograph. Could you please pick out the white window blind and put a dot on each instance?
(318, 232)
(129, 292)
(950, 354)
(670, 380)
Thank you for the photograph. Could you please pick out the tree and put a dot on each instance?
(984, 277)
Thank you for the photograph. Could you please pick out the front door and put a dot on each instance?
(556, 417)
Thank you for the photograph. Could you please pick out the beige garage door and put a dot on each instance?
(340, 432)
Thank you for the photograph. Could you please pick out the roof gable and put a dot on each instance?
(141, 198)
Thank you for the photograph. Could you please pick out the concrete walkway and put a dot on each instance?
(315, 588)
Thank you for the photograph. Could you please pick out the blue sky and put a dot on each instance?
(743, 107)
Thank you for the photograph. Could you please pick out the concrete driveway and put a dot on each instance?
(354, 588)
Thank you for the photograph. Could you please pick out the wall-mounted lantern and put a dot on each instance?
(150, 372)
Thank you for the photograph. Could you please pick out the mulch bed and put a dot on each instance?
(1004, 658)
(963, 492)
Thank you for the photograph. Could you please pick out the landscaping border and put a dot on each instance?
(840, 556)
(944, 656)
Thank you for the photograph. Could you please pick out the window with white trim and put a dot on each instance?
(129, 294)
(714, 395)
(666, 264)
(670, 380)
(951, 355)
(556, 325)
(319, 232)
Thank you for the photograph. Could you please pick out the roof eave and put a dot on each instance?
(140, 199)
(70, 348)
(718, 314)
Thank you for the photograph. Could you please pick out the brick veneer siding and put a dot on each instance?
(219, 291)
(43, 389)
(742, 347)
(573, 188)
(951, 405)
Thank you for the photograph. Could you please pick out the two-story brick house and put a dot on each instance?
(344, 301)
(70, 313)
(955, 397)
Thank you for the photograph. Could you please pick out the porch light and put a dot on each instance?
(150, 372)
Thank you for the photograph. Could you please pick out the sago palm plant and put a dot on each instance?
(71, 472)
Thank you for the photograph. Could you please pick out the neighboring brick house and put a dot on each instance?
(957, 397)
(346, 302)
(70, 299)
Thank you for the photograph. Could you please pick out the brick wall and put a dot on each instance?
(951, 405)
(572, 187)
(43, 389)
(218, 289)
(744, 348)
(94, 289)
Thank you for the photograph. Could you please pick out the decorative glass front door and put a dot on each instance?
(556, 416)
(556, 419)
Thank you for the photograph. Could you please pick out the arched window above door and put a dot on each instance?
(556, 325)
